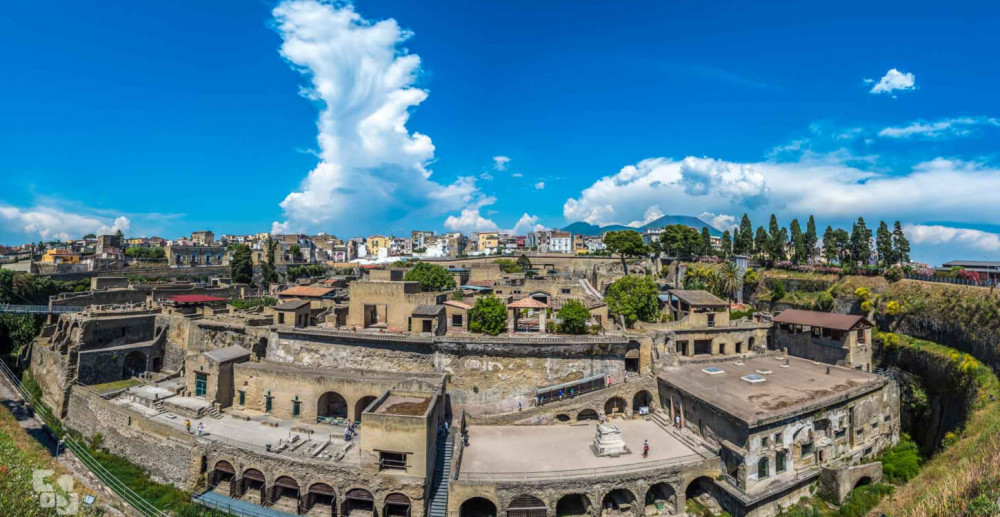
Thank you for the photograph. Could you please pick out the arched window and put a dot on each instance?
(762, 468)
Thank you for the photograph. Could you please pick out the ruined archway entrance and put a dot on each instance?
(619, 501)
(285, 495)
(615, 406)
(361, 405)
(863, 482)
(221, 478)
(703, 493)
(331, 405)
(477, 507)
(396, 505)
(321, 495)
(359, 502)
(134, 364)
(587, 414)
(526, 505)
(572, 505)
(252, 486)
(642, 399)
(661, 498)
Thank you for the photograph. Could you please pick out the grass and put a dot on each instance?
(964, 476)
(108, 387)
(20, 456)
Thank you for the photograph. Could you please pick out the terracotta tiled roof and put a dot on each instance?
(527, 303)
(458, 304)
(195, 298)
(698, 297)
(480, 283)
(309, 291)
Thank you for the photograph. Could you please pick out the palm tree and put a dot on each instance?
(729, 280)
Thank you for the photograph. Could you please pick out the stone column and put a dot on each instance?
(541, 321)
(511, 321)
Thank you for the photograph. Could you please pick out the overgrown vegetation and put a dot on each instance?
(488, 316)
(431, 277)
(253, 303)
(634, 298)
(294, 273)
(573, 318)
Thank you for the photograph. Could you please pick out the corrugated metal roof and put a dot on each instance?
(291, 305)
(824, 320)
(427, 310)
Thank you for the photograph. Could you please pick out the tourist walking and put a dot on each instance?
(201, 428)
(187, 424)
(645, 449)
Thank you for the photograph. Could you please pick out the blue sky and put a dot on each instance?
(386, 116)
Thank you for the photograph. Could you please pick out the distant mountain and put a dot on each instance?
(667, 220)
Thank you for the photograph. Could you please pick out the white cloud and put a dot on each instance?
(651, 214)
(500, 162)
(720, 221)
(827, 187)
(540, 185)
(893, 80)
(53, 223)
(470, 221)
(946, 127)
(486, 176)
(372, 168)
(693, 182)
(934, 235)
(526, 224)
(517, 175)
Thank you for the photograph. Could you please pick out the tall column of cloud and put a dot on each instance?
(372, 168)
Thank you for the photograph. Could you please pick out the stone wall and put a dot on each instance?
(482, 371)
(166, 453)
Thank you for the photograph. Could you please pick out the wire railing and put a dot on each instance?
(641, 466)
(80, 450)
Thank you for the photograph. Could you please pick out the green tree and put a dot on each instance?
(508, 266)
(842, 242)
(883, 244)
(624, 243)
(775, 243)
(634, 298)
(746, 235)
(90, 236)
(680, 241)
(798, 242)
(727, 245)
(489, 316)
(737, 242)
(241, 265)
(727, 280)
(295, 251)
(706, 242)
(431, 277)
(573, 317)
(778, 292)
(524, 262)
(810, 239)
(267, 271)
(900, 246)
(760, 242)
(861, 242)
(16, 331)
(830, 251)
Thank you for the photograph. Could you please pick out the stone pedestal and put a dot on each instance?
(608, 441)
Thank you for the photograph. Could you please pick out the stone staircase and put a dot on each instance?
(438, 506)
(160, 408)
(214, 413)
(661, 419)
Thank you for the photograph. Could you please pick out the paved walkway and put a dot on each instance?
(552, 448)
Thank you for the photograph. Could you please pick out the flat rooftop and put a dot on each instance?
(563, 450)
(256, 435)
(784, 391)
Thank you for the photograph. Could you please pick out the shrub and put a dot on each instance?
(893, 274)
(779, 291)
(489, 316)
(902, 462)
(750, 278)
(824, 302)
(431, 277)
(573, 317)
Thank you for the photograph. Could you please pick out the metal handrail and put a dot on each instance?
(80, 450)
(578, 473)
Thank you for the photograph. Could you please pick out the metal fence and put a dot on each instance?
(583, 473)
(80, 450)
(946, 280)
